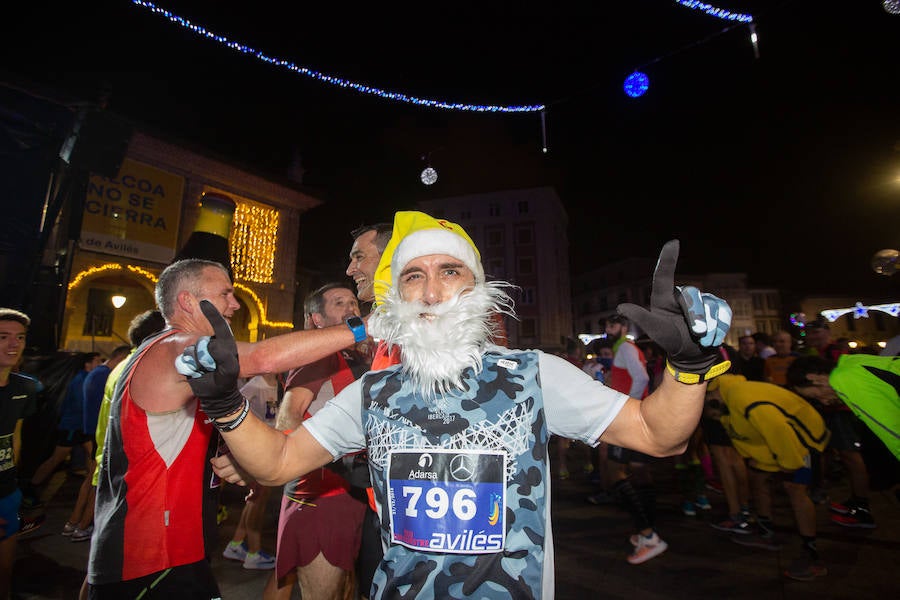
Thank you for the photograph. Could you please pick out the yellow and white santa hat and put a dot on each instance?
(417, 234)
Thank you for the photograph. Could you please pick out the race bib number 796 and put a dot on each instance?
(448, 500)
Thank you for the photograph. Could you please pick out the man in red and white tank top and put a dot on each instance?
(155, 515)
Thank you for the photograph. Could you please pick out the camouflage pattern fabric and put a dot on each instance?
(708, 315)
(501, 409)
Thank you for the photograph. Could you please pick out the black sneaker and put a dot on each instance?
(31, 524)
(841, 508)
(856, 516)
(739, 526)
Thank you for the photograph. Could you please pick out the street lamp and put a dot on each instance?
(118, 300)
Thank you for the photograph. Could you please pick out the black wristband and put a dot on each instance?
(233, 424)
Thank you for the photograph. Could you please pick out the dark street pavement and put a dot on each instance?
(591, 546)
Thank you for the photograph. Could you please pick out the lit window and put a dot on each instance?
(254, 240)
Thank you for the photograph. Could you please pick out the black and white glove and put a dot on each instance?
(688, 324)
(212, 368)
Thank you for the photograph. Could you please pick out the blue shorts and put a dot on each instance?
(9, 511)
(802, 476)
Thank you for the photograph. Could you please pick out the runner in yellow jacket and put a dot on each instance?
(769, 424)
(779, 433)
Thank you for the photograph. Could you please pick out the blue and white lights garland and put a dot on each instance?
(635, 85)
(860, 311)
(719, 13)
(337, 81)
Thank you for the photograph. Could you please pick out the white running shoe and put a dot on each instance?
(647, 548)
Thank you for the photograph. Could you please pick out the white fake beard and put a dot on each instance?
(438, 350)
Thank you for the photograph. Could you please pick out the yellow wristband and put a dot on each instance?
(692, 378)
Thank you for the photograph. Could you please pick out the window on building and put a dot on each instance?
(525, 235)
(495, 267)
(494, 209)
(623, 297)
(772, 301)
(757, 302)
(528, 328)
(98, 320)
(879, 319)
(493, 236)
(851, 322)
(762, 326)
(525, 265)
(523, 207)
(528, 296)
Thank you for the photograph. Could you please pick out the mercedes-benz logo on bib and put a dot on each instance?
(462, 467)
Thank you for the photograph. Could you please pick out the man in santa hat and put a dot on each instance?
(457, 432)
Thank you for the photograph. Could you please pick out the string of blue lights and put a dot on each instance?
(713, 11)
(635, 85)
(333, 80)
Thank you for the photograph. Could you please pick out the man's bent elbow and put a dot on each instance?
(666, 451)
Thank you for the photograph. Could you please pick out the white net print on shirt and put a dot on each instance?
(509, 433)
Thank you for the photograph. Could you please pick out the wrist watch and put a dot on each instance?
(358, 328)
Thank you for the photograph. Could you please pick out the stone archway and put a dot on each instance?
(91, 322)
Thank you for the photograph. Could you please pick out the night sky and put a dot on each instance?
(786, 167)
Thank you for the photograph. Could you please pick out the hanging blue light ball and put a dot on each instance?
(636, 84)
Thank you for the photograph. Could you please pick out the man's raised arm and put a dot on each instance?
(284, 352)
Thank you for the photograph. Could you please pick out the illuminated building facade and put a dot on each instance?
(134, 224)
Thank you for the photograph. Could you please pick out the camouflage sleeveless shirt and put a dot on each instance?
(495, 422)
